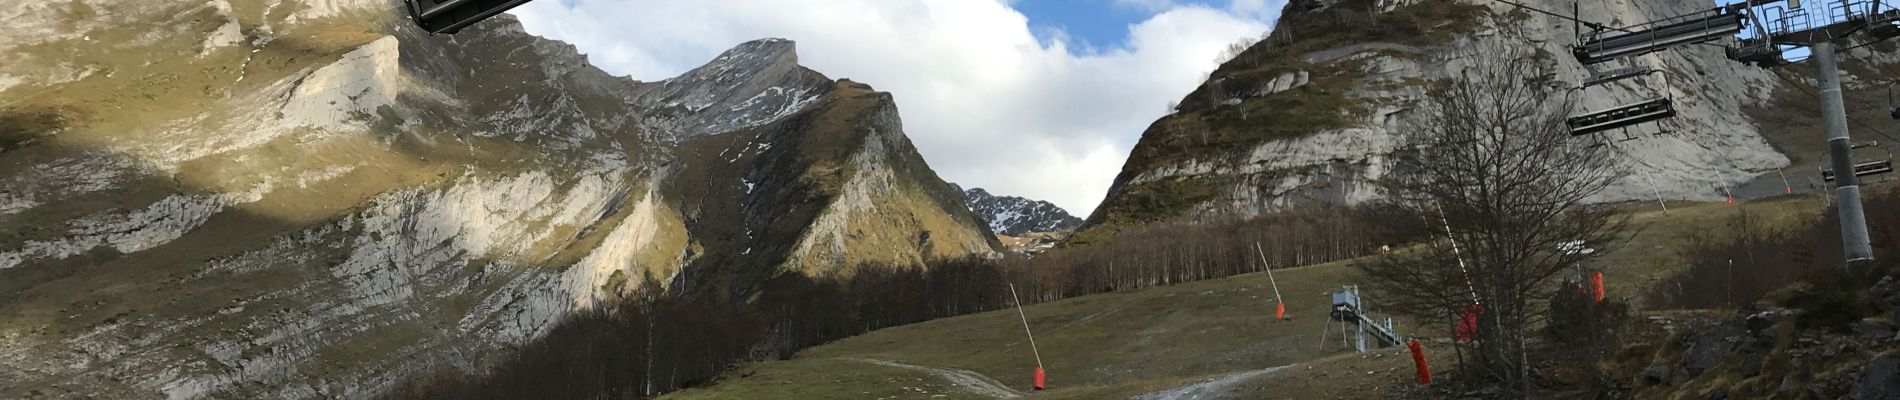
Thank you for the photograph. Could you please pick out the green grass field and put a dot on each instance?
(1127, 344)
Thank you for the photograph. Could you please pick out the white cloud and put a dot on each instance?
(986, 103)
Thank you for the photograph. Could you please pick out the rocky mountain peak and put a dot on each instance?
(1017, 216)
(761, 52)
(750, 84)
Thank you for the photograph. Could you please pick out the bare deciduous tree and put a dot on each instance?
(1490, 171)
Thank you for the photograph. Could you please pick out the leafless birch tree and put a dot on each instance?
(1489, 171)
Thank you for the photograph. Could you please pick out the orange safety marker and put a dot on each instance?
(1279, 312)
(1039, 377)
(1596, 281)
(1418, 359)
(1467, 329)
(1789, 189)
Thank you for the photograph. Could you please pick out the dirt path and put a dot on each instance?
(1207, 389)
(965, 379)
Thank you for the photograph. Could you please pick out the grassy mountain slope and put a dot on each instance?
(1125, 344)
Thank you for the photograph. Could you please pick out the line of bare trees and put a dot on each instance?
(1173, 252)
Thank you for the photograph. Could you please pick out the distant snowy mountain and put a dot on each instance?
(1016, 216)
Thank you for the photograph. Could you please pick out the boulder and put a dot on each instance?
(1886, 296)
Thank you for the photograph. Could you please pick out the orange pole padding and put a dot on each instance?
(1039, 377)
(1467, 329)
(1279, 312)
(1596, 281)
(1418, 358)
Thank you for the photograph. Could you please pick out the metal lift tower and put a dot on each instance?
(1764, 32)
(1781, 25)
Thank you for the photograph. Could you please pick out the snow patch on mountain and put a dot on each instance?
(1015, 216)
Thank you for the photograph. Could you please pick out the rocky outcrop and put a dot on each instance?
(1825, 350)
(265, 199)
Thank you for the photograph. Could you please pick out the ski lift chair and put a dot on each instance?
(1865, 168)
(450, 16)
(1601, 44)
(1625, 116)
(1884, 31)
(1758, 53)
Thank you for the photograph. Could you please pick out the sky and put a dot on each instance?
(1035, 98)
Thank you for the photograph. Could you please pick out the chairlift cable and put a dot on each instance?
(1592, 25)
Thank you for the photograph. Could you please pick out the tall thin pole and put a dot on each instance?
(1652, 189)
(1269, 268)
(1846, 186)
(1456, 254)
(1025, 317)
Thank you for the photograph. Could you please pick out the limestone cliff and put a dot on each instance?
(278, 199)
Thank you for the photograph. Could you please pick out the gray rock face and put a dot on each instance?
(753, 83)
(1880, 381)
(1014, 216)
(273, 199)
